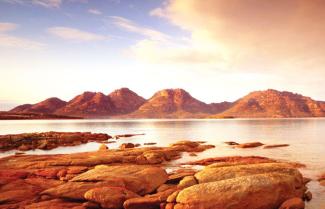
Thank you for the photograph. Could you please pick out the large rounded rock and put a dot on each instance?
(76, 190)
(217, 173)
(250, 145)
(137, 178)
(110, 197)
(261, 191)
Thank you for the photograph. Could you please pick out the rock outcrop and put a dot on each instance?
(135, 178)
(48, 140)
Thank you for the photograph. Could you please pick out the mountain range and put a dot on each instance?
(178, 103)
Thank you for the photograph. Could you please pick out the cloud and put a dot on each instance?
(48, 3)
(253, 34)
(94, 11)
(20, 43)
(130, 26)
(11, 41)
(73, 34)
(6, 26)
(174, 53)
(44, 3)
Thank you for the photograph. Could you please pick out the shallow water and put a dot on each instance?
(305, 136)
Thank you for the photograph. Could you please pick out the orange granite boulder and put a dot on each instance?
(110, 197)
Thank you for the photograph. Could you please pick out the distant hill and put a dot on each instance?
(174, 103)
(178, 103)
(47, 106)
(274, 104)
(88, 104)
(125, 101)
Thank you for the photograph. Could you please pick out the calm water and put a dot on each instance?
(305, 136)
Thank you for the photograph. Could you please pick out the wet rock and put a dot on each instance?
(244, 192)
(126, 135)
(231, 143)
(308, 196)
(127, 145)
(192, 154)
(187, 143)
(110, 197)
(150, 143)
(293, 203)
(250, 145)
(48, 140)
(275, 146)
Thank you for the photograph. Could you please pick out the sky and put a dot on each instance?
(218, 50)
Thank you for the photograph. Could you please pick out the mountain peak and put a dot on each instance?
(47, 106)
(275, 104)
(126, 101)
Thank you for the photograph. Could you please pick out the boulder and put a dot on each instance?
(149, 201)
(275, 146)
(127, 145)
(140, 179)
(102, 148)
(231, 143)
(216, 173)
(187, 181)
(76, 190)
(109, 197)
(260, 191)
(250, 145)
(231, 159)
(308, 196)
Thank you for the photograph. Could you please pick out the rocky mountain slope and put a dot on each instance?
(126, 101)
(178, 103)
(47, 106)
(275, 104)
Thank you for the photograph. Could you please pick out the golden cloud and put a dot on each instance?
(253, 33)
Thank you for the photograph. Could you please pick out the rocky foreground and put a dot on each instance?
(137, 178)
